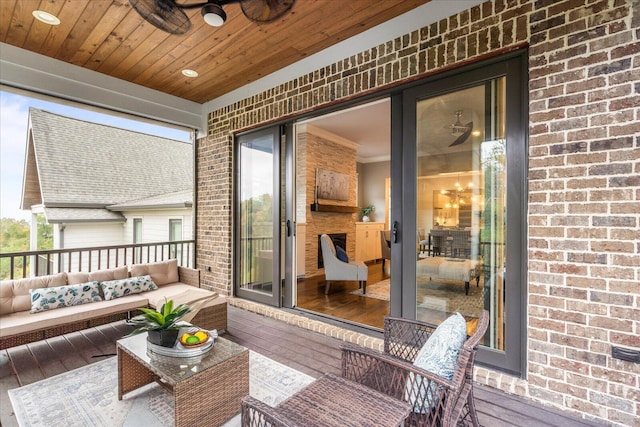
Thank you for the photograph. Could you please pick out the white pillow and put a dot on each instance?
(438, 355)
(43, 299)
(131, 285)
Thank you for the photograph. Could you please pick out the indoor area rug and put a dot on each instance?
(449, 296)
(438, 295)
(88, 396)
(378, 290)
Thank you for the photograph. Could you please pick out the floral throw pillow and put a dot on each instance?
(43, 299)
(131, 285)
(438, 355)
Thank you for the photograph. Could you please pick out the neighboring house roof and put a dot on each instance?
(86, 168)
(67, 215)
(179, 199)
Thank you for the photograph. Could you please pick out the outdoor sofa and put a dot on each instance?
(19, 325)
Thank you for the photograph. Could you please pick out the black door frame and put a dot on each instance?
(513, 67)
(276, 132)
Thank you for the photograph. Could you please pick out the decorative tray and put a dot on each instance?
(178, 350)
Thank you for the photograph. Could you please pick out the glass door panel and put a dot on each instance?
(461, 205)
(257, 236)
(464, 151)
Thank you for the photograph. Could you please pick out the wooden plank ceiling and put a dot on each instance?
(108, 36)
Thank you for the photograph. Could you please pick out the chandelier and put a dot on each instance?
(457, 198)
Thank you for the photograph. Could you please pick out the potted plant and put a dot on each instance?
(366, 211)
(162, 325)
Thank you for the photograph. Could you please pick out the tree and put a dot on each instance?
(14, 237)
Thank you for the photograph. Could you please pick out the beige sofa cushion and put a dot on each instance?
(162, 273)
(99, 275)
(22, 322)
(180, 293)
(14, 294)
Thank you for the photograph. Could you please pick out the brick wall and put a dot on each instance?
(584, 209)
(584, 180)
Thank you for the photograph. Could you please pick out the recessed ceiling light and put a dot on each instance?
(45, 17)
(190, 73)
(476, 133)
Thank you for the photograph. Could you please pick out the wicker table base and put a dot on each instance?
(207, 391)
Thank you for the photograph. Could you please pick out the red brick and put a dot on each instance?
(586, 381)
(586, 158)
(569, 341)
(626, 340)
(588, 307)
(547, 302)
(572, 269)
(569, 365)
(570, 244)
(587, 282)
(576, 392)
(609, 323)
(587, 332)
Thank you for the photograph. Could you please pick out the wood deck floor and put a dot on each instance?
(301, 349)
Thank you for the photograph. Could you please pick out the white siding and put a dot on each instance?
(155, 224)
(82, 235)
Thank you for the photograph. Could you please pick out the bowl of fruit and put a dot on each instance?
(194, 339)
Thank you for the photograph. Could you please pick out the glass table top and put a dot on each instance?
(176, 369)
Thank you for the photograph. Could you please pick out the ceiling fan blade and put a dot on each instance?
(265, 10)
(163, 14)
(462, 138)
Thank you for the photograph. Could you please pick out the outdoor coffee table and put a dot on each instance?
(207, 389)
(336, 401)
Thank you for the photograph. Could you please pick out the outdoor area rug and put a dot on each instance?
(88, 396)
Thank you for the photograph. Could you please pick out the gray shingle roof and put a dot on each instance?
(179, 199)
(58, 215)
(87, 164)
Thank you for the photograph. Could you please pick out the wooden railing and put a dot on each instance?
(40, 263)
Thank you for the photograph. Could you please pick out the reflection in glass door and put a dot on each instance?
(257, 236)
(464, 163)
(461, 205)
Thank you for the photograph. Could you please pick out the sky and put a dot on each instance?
(14, 118)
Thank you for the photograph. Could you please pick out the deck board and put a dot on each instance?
(25, 365)
(307, 351)
(50, 364)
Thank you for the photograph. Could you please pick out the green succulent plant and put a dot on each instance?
(168, 317)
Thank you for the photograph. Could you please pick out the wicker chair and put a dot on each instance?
(445, 402)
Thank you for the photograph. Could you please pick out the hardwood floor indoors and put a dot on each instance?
(340, 302)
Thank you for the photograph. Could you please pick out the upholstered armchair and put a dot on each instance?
(436, 400)
(336, 269)
(385, 246)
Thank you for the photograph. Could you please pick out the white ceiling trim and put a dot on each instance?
(37, 73)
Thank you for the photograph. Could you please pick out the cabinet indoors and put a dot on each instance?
(368, 240)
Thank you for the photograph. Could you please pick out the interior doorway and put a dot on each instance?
(342, 181)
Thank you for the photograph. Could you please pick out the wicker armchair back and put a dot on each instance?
(447, 403)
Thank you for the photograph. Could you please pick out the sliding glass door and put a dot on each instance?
(463, 157)
(258, 224)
